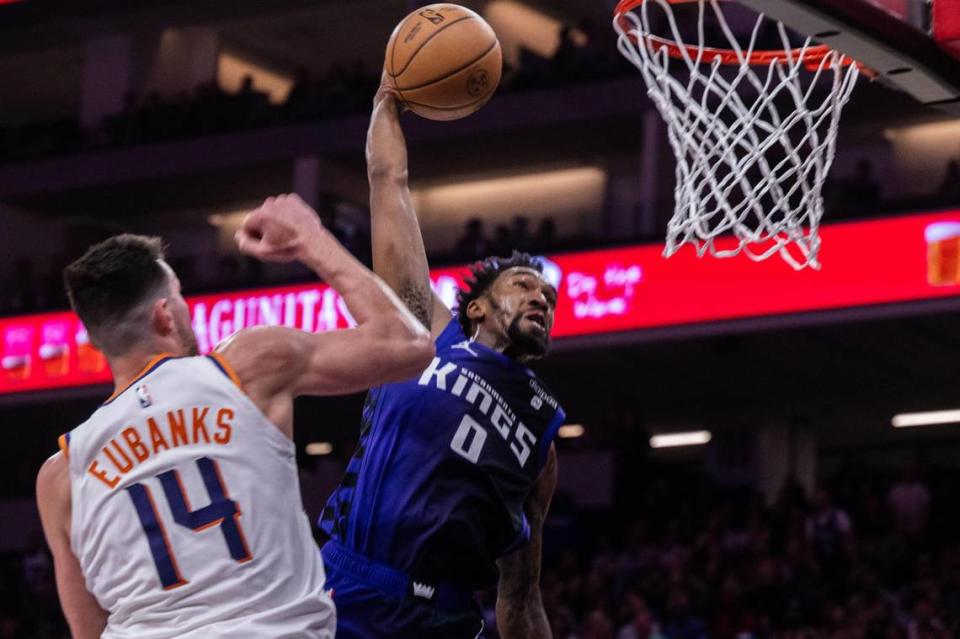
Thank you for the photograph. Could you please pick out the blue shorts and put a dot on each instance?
(377, 602)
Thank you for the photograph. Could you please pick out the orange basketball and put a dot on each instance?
(444, 60)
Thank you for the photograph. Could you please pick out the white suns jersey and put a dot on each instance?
(187, 518)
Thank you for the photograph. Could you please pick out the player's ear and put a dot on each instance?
(161, 317)
(477, 310)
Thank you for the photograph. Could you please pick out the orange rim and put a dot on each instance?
(812, 57)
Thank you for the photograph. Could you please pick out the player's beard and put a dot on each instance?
(527, 344)
(187, 337)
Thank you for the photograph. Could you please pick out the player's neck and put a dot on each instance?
(129, 366)
(491, 340)
(501, 344)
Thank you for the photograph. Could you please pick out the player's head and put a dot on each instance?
(510, 299)
(129, 298)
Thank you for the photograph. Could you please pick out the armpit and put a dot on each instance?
(419, 300)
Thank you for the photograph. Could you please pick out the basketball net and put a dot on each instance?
(754, 132)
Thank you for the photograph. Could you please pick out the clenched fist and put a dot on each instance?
(279, 230)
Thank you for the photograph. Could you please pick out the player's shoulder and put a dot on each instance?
(451, 335)
(537, 383)
(542, 394)
(105, 413)
(253, 352)
(53, 474)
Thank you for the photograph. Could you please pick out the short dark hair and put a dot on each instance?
(109, 281)
(484, 274)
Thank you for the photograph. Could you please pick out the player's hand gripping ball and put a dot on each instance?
(444, 62)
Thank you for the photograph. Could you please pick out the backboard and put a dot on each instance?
(911, 44)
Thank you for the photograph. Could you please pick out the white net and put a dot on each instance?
(754, 132)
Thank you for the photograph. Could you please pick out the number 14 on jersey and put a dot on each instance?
(221, 511)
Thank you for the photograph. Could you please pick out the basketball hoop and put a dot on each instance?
(753, 144)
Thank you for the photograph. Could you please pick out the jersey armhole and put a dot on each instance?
(551, 434)
(452, 334)
(64, 443)
(221, 362)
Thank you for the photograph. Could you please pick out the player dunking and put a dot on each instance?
(455, 468)
(175, 511)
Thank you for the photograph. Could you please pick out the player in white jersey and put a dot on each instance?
(175, 511)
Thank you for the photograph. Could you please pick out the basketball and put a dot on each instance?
(444, 61)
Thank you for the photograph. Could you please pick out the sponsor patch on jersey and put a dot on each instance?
(542, 396)
(143, 394)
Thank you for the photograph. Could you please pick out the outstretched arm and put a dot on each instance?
(520, 613)
(398, 253)
(275, 365)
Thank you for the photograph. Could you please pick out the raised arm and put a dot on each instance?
(275, 365)
(520, 613)
(398, 253)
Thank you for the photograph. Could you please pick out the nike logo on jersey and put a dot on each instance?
(465, 346)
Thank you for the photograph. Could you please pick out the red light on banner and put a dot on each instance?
(48, 351)
(865, 263)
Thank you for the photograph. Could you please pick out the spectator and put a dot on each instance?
(909, 502)
(473, 244)
(950, 188)
(570, 57)
(248, 107)
(124, 127)
(683, 550)
(206, 114)
(38, 568)
(9, 627)
(24, 295)
(681, 623)
(924, 623)
(862, 191)
(546, 239)
(302, 99)
(828, 528)
(830, 534)
(502, 244)
(520, 236)
(596, 626)
(642, 626)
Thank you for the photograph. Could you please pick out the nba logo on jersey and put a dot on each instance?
(143, 394)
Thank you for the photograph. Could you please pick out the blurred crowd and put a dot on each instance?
(477, 243)
(861, 193)
(873, 554)
(867, 556)
(37, 285)
(583, 55)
